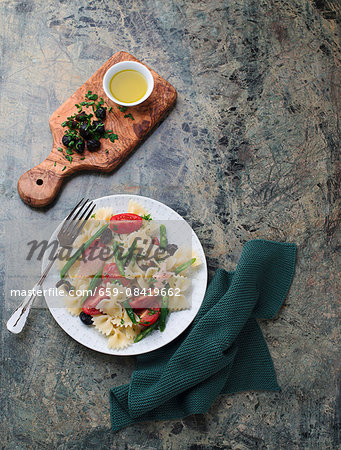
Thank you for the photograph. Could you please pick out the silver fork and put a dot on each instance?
(67, 234)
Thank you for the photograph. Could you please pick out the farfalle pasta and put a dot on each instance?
(128, 277)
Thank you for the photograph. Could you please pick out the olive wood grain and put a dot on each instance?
(40, 185)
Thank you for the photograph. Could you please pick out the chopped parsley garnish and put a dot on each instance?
(110, 108)
(113, 137)
(91, 96)
(82, 158)
(60, 149)
(129, 115)
(122, 322)
(146, 217)
(93, 216)
(122, 108)
(63, 168)
(55, 164)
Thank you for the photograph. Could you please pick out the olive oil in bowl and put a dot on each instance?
(128, 86)
(128, 83)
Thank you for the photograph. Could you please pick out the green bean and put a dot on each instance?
(130, 251)
(93, 284)
(78, 253)
(184, 266)
(130, 311)
(133, 260)
(145, 332)
(164, 310)
(119, 260)
(163, 237)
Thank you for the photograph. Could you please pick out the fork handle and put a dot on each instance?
(18, 319)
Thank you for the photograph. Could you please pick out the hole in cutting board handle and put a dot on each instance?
(39, 182)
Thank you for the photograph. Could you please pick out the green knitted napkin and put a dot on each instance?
(223, 351)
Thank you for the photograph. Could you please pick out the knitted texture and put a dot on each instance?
(223, 351)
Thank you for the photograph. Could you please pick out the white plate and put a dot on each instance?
(177, 322)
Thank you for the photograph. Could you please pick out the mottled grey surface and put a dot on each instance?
(251, 150)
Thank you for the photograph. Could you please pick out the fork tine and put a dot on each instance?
(75, 222)
(74, 209)
(79, 229)
(70, 222)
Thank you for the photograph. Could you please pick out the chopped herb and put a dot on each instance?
(122, 322)
(82, 158)
(60, 149)
(69, 158)
(69, 151)
(91, 96)
(113, 137)
(107, 151)
(146, 217)
(64, 124)
(63, 168)
(110, 108)
(93, 216)
(55, 164)
(122, 108)
(129, 115)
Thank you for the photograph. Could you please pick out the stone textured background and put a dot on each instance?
(251, 150)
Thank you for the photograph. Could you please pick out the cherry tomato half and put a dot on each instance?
(149, 316)
(144, 301)
(90, 303)
(111, 272)
(155, 241)
(91, 311)
(125, 223)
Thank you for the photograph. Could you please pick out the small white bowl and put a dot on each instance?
(128, 65)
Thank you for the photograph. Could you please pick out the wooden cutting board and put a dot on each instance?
(40, 185)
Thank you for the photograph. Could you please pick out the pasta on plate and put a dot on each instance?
(128, 277)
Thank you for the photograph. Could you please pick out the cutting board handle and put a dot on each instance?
(39, 186)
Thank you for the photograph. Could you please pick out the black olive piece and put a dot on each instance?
(66, 140)
(98, 127)
(100, 113)
(85, 131)
(81, 117)
(67, 285)
(106, 236)
(79, 146)
(73, 124)
(93, 145)
(172, 248)
(85, 318)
